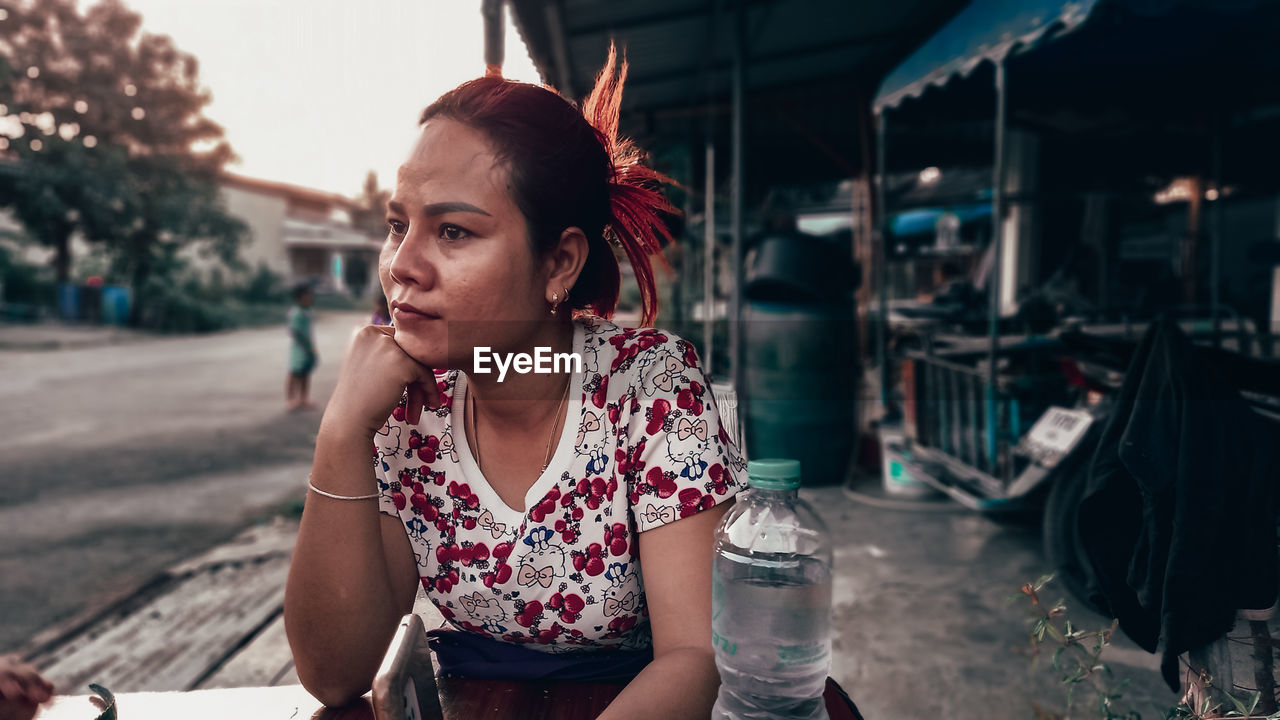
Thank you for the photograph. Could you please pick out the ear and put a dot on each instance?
(565, 263)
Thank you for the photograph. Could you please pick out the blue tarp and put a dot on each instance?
(925, 221)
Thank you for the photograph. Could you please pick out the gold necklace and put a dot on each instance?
(475, 434)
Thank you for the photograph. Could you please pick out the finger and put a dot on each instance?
(37, 688)
(430, 392)
(11, 689)
(37, 693)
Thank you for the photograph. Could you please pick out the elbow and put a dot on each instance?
(332, 691)
(332, 683)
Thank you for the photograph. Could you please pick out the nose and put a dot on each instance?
(411, 262)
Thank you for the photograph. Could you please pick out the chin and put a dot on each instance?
(430, 352)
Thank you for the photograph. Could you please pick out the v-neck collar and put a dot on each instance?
(561, 458)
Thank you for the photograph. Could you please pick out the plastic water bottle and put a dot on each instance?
(771, 601)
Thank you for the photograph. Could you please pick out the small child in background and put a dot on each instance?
(22, 690)
(302, 349)
(381, 313)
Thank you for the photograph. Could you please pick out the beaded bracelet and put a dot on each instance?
(318, 491)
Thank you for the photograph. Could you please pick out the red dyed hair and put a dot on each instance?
(569, 168)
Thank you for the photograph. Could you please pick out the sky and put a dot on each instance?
(318, 92)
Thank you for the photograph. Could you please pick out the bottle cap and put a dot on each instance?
(774, 474)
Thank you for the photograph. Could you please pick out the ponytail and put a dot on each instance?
(635, 196)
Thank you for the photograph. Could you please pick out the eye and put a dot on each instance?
(453, 233)
(396, 227)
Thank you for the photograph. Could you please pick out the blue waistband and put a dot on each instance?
(464, 654)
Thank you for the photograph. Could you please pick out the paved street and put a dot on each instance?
(116, 461)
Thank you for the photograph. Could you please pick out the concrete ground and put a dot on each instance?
(923, 628)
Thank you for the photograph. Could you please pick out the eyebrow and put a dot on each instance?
(440, 208)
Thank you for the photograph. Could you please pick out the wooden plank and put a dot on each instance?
(276, 538)
(263, 662)
(215, 622)
(175, 641)
(180, 630)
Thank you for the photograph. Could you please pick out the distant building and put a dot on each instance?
(304, 235)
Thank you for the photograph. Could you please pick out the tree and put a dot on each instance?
(103, 133)
(371, 213)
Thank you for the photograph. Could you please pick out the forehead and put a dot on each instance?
(454, 159)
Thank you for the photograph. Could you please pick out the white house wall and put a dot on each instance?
(265, 216)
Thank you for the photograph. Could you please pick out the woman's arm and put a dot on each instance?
(682, 681)
(352, 578)
(353, 574)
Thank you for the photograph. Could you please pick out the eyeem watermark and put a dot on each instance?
(542, 361)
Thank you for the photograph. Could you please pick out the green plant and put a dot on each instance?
(264, 286)
(1077, 656)
(24, 283)
(1205, 707)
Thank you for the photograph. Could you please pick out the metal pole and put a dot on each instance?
(1215, 237)
(738, 201)
(493, 36)
(709, 262)
(881, 260)
(997, 257)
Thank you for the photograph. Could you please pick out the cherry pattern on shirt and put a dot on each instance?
(645, 448)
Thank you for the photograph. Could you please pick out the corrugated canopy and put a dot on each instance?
(993, 30)
(986, 30)
(1126, 88)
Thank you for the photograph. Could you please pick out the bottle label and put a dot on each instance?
(723, 644)
(806, 654)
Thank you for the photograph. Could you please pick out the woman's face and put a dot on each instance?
(456, 267)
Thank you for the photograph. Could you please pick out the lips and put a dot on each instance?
(413, 311)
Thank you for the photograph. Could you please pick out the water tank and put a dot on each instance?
(801, 367)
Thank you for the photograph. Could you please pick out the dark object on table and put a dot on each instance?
(105, 702)
(1178, 516)
(405, 686)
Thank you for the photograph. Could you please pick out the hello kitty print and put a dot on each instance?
(643, 447)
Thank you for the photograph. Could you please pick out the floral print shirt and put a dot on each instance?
(642, 447)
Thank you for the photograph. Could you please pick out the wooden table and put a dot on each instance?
(460, 698)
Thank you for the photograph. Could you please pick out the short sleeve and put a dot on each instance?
(297, 320)
(678, 459)
(387, 444)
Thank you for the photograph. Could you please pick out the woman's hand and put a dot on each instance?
(22, 690)
(375, 375)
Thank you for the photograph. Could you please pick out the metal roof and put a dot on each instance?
(809, 64)
(674, 44)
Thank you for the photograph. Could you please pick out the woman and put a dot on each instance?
(562, 522)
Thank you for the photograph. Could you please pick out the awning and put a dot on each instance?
(1129, 88)
(985, 30)
(994, 30)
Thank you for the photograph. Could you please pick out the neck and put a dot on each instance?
(522, 399)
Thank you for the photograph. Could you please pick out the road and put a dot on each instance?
(117, 461)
